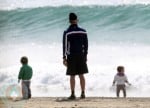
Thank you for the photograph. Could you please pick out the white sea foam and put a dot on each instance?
(49, 77)
(13, 4)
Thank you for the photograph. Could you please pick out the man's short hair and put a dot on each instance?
(72, 16)
(24, 60)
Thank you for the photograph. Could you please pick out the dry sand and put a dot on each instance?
(90, 102)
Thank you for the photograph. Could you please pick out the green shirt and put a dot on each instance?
(25, 72)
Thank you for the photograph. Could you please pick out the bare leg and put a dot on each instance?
(124, 91)
(82, 82)
(72, 87)
(118, 90)
(72, 84)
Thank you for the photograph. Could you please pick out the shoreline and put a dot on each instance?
(89, 102)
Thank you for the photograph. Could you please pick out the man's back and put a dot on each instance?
(75, 41)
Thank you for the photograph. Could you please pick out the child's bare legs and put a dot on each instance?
(124, 91)
(121, 87)
(118, 90)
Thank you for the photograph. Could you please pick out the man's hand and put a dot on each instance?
(65, 62)
(18, 80)
(85, 58)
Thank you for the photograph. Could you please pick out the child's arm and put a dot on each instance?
(126, 80)
(20, 74)
(114, 81)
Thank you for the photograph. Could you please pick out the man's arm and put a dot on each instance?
(86, 46)
(64, 45)
(64, 49)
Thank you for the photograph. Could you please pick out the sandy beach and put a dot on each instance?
(90, 102)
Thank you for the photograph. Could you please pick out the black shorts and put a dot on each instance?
(76, 65)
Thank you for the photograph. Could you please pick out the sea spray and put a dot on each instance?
(118, 35)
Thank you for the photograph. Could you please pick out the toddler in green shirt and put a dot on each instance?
(25, 75)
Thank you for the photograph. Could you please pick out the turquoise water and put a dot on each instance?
(129, 23)
(118, 35)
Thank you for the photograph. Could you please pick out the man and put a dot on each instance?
(75, 48)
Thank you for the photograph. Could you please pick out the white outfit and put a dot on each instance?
(120, 80)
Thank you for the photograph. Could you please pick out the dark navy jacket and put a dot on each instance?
(75, 41)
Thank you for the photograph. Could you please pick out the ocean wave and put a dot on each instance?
(125, 23)
(49, 73)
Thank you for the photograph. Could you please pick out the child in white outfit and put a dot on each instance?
(120, 79)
